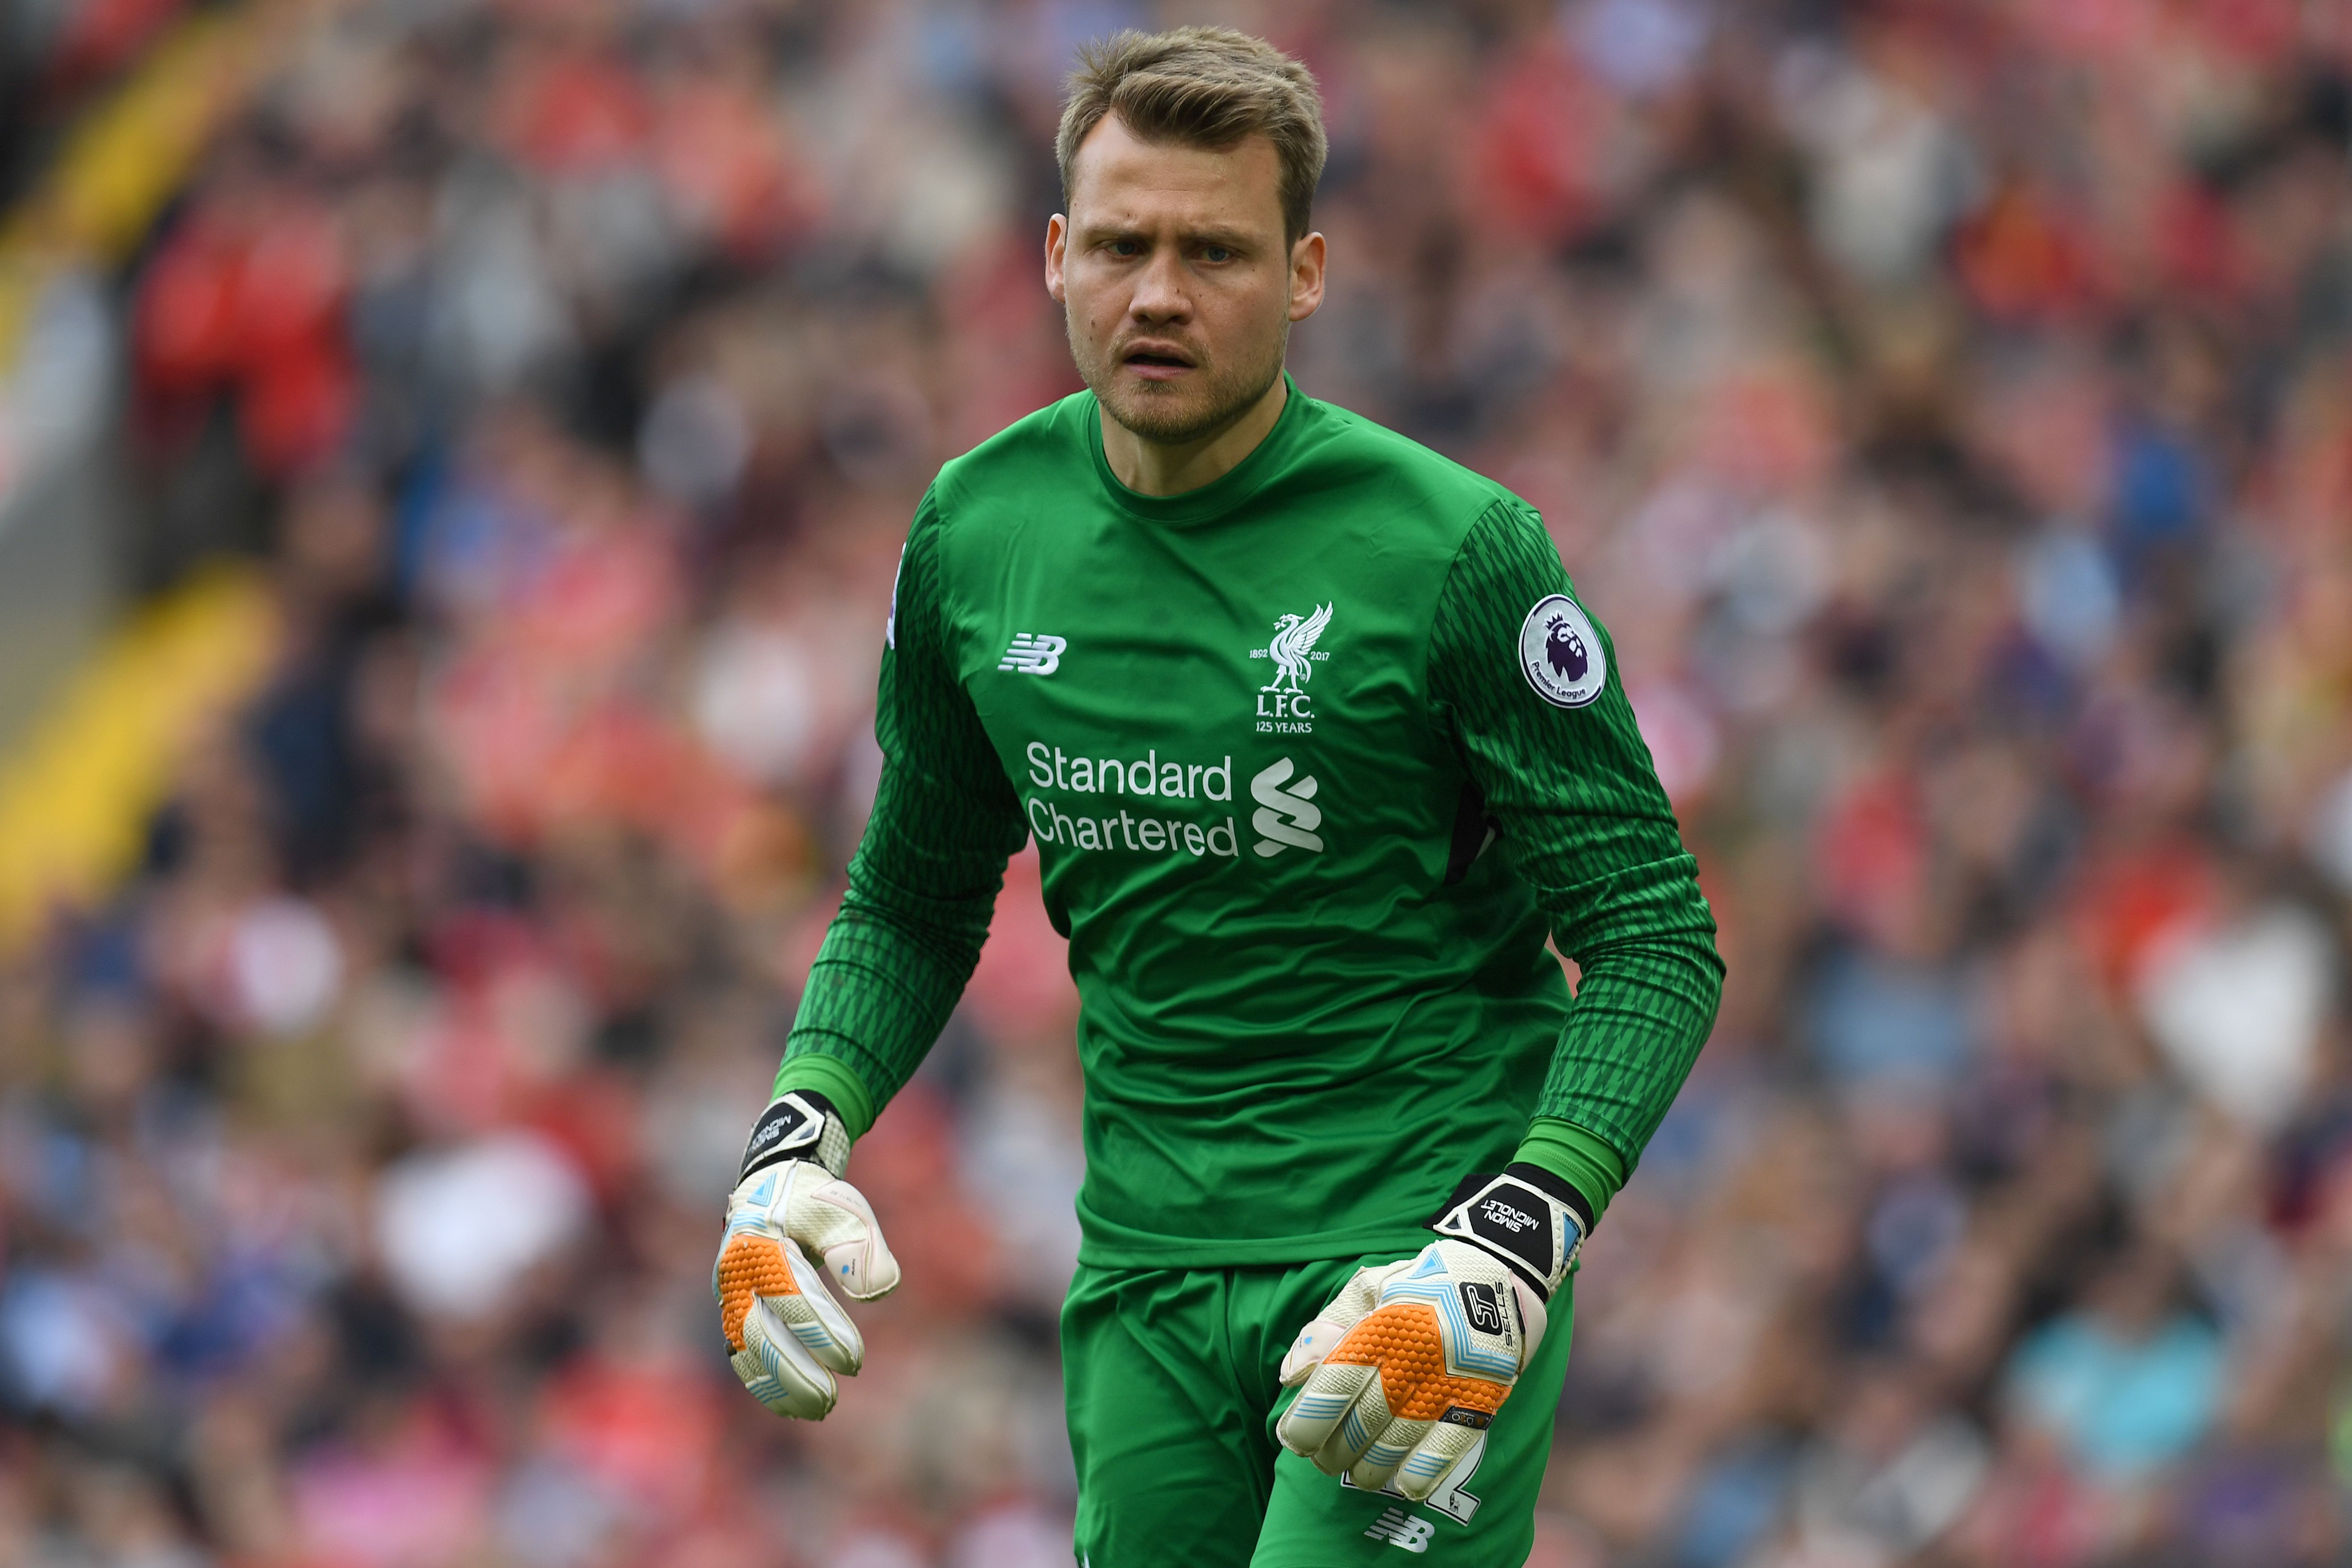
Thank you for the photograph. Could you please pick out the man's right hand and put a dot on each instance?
(792, 1224)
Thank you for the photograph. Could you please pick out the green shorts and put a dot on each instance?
(1170, 1377)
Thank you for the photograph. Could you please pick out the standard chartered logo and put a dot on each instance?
(1088, 824)
(1160, 811)
(1286, 818)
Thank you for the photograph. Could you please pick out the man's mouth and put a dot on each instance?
(1155, 360)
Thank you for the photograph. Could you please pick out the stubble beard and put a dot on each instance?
(1167, 416)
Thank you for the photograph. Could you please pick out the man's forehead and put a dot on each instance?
(1119, 179)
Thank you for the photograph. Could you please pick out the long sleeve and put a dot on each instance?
(925, 877)
(1577, 805)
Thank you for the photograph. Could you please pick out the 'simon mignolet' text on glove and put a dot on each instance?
(793, 1224)
(1407, 1366)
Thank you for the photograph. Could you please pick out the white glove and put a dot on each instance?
(791, 1223)
(1407, 1366)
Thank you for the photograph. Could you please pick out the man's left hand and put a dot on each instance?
(1408, 1363)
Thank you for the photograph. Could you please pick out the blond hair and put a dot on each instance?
(1202, 87)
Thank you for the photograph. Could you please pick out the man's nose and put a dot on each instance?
(1160, 291)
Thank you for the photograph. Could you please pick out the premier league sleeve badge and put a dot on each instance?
(1559, 653)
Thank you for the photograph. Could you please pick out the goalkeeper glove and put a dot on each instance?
(1406, 1367)
(792, 1223)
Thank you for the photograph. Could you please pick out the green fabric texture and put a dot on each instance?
(1305, 818)
(1581, 1159)
(1168, 1376)
(1587, 826)
(838, 1081)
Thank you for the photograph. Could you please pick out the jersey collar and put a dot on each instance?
(1220, 495)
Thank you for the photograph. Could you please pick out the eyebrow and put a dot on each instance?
(1231, 238)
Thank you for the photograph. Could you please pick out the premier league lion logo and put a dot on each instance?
(1561, 654)
(1564, 650)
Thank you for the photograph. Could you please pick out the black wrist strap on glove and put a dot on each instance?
(799, 1124)
(1527, 1217)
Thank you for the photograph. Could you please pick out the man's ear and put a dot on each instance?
(1057, 236)
(1306, 276)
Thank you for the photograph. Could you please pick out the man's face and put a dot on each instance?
(1180, 291)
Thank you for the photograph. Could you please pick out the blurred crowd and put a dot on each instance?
(54, 55)
(1947, 405)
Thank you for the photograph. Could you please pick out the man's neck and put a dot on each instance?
(1154, 468)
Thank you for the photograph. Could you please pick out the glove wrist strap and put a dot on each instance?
(799, 1124)
(1527, 1217)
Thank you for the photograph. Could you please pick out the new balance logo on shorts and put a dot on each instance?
(1399, 1528)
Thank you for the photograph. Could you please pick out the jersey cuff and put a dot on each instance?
(838, 1081)
(1577, 1157)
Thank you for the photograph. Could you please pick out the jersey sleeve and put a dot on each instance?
(925, 877)
(1575, 803)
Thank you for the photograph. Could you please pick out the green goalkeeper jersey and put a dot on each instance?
(1315, 757)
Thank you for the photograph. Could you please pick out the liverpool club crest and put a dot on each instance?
(1282, 703)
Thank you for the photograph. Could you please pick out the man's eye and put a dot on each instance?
(1216, 253)
(1125, 247)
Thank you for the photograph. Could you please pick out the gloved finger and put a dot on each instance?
(811, 1315)
(1329, 1326)
(832, 1220)
(1355, 1432)
(1534, 1318)
(780, 1372)
(1386, 1452)
(761, 1279)
(1313, 1343)
(1316, 1414)
(1433, 1457)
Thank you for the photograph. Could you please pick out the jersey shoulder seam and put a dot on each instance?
(1399, 447)
(967, 472)
(942, 624)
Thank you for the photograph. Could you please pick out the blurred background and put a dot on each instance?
(453, 455)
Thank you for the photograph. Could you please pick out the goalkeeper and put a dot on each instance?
(1316, 745)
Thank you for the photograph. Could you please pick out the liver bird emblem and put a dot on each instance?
(1294, 641)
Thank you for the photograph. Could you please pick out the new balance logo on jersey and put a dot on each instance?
(1034, 653)
(1286, 818)
(1399, 1528)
